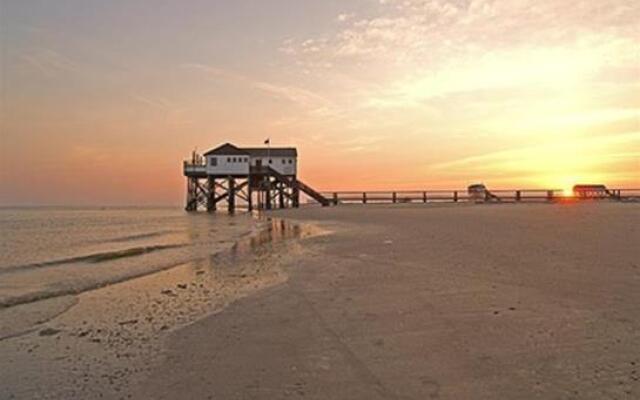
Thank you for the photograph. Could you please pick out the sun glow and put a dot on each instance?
(567, 191)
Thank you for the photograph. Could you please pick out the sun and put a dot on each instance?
(566, 183)
(567, 191)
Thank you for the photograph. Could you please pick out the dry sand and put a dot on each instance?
(436, 302)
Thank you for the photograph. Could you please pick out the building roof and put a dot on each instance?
(229, 149)
(589, 187)
(475, 186)
(273, 152)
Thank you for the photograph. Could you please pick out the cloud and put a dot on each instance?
(300, 96)
(419, 31)
(50, 62)
(537, 68)
(558, 165)
(558, 158)
(344, 17)
(294, 94)
(555, 68)
(215, 72)
(155, 102)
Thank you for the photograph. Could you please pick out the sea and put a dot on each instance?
(49, 252)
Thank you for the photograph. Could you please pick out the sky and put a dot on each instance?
(101, 101)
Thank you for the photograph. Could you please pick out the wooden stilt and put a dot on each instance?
(295, 192)
(268, 195)
(280, 187)
(262, 187)
(231, 197)
(211, 195)
(189, 202)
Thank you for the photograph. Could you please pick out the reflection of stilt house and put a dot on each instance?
(262, 178)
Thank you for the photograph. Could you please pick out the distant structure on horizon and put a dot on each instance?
(261, 177)
(592, 191)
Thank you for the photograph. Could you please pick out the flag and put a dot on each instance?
(268, 141)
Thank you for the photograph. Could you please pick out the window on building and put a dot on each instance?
(284, 161)
(290, 161)
(228, 159)
(270, 160)
(213, 161)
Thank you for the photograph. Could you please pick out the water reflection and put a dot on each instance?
(274, 231)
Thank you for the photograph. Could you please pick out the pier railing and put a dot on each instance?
(455, 196)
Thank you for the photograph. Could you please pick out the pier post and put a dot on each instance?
(232, 195)
(295, 192)
(296, 198)
(364, 197)
(190, 196)
(335, 198)
(280, 187)
(211, 194)
(550, 195)
(518, 195)
(424, 197)
(249, 198)
(394, 197)
(268, 195)
(197, 194)
(455, 196)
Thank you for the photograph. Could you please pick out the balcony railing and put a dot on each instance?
(189, 167)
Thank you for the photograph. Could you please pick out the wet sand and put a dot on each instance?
(531, 301)
(102, 343)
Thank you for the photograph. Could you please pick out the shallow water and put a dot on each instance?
(102, 343)
(48, 252)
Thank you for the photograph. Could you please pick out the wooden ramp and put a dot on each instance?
(491, 197)
(309, 191)
(301, 186)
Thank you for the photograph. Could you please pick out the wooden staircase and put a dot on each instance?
(301, 186)
(309, 191)
(490, 196)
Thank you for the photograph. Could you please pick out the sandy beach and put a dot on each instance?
(324, 200)
(448, 302)
(527, 301)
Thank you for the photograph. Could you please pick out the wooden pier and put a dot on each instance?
(461, 196)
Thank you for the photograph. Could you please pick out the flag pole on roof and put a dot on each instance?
(268, 143)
